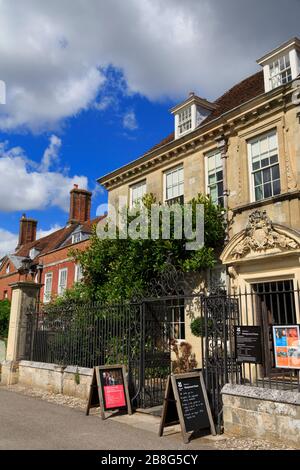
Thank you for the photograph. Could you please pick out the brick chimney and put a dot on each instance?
(80, 205)
(27, 231)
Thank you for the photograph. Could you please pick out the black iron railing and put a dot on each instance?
(139, 335)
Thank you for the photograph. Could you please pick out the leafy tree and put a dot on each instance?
(116, 270)
(4, 317)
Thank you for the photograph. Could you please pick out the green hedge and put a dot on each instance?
(4, 317)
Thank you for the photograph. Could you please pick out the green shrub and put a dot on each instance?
(198, 327)
(4, 317)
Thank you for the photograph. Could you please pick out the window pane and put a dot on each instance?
(170, 193)
(220, 189)
(275, 172)
(255, 166)
(219, 175)
(175, 177)
(264, 145)
(258, 193)
(264, 162)
(212, 179)
(267, 175)
(272, 141)
(213, 193)
(267, 190)
(276, 187)
(257, 178)
(211, 163)
(273, 159)
(180, 175)
(255, 149)
(218, 160)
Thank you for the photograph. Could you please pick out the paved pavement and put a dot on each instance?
(30, 423)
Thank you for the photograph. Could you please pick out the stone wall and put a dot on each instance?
(53, 378)
(262, 413)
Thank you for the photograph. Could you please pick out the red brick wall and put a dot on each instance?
(57, 260)
(4, 284)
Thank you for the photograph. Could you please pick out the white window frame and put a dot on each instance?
(168, 172)
(180, 310)
(47, 294)
(75, 235)
(277, 79)
(7, 269)
(184, 121)
(208, 155)
(251, 171)
(60, 289)
(139, 184)
(78, 270)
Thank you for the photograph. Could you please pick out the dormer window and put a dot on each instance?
(280, 71)
(190, 114)
(33, 253)
(76, 237)
(282, 65)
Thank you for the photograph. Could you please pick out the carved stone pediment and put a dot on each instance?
(259, 237)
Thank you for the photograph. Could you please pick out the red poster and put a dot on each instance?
(114, 396)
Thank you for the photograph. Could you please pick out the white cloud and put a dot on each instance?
(51, 153)
(53, 54)
(43, 233)
(105, 103)
(8, 242)
(129, 121)
(23, 188)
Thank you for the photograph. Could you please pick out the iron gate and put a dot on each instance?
(220, 313)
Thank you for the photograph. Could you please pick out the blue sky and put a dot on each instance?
(89, 86)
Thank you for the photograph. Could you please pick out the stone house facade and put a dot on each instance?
(244, 151)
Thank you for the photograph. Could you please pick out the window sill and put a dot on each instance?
(175, 200)
(264, 202)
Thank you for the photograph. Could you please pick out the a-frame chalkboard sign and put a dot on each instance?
(186, 403)
(109, 390)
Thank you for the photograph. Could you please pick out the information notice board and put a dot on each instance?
(186, 403)
(248, 344)
(109, 390)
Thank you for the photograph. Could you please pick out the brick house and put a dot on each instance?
(53, 266)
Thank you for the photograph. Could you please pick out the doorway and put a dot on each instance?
(276, 306)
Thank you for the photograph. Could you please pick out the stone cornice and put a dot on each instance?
(226, 125)
(264, 202)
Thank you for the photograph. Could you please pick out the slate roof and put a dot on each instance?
(56, 239)
(239, 94)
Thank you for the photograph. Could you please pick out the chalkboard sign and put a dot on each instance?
(248, 344)
(109, 390)
(186, 403)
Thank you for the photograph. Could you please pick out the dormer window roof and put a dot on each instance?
(190, 113)
(281, 65)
